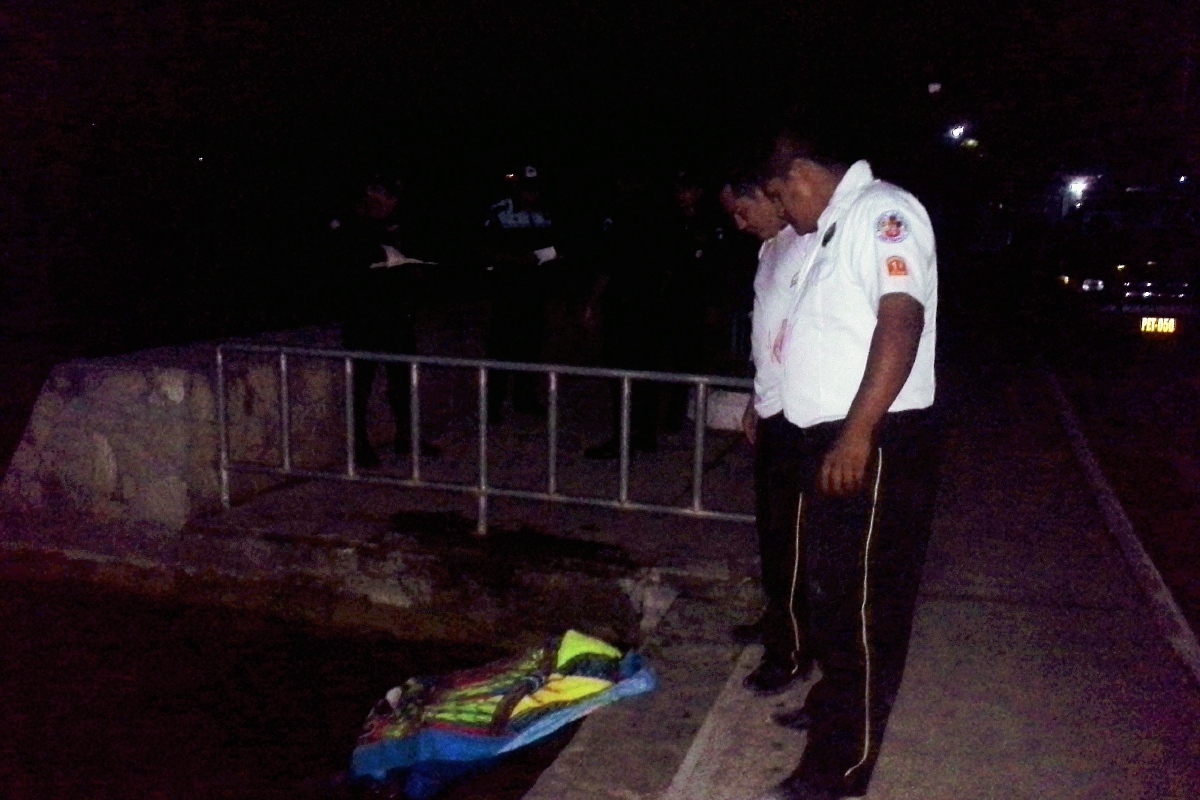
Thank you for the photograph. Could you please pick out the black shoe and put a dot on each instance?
(366, 458)
(802, 790)
(531, 407)
(645, 444)
(603, 452)
(404, 448)
(799, 719)
(750, 633)
(833, 787)
(773, 676)
(612, 449)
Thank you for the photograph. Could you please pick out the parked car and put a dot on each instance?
(1139, 259)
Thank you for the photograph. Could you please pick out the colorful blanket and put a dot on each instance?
(432, 729)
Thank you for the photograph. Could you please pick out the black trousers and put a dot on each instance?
(865, 555)
(515, 333)
(399, 337)
(633, 340)
(781, 543)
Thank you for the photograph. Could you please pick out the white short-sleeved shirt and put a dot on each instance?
(779, 259)
(873, 239)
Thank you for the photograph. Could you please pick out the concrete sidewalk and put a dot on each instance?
(1036, 668)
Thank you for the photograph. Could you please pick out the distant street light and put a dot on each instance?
(1073, 192)
(957, 131)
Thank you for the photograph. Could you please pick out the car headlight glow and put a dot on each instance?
(1092, 285)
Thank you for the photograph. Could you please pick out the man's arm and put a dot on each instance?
(901, 319)
(750, 420)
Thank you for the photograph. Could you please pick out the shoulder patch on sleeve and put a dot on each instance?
(897, 267)
(891, 228)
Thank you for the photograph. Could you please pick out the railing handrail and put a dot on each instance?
(482, 489)
(499, 366)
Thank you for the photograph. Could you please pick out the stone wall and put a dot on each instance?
(134, 438)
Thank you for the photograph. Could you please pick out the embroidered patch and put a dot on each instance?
(891, 228)
(897, 267)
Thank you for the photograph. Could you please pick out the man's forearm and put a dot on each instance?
(889, 361)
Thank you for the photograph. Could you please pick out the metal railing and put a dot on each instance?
(482, 489)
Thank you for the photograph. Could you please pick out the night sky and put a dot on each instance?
(108, 108)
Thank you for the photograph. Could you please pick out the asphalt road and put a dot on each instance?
(1138, 398)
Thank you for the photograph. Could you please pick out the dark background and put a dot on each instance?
(112, 228)
(115, 235)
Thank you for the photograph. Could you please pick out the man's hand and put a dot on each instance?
(778, 345)
(591, 319)
(591, 315)
(844, 468)
(900, 320)
(750, 420)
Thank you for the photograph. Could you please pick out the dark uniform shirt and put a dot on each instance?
(380, 301)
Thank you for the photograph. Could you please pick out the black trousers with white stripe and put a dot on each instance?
(864, 560)
(777, 462)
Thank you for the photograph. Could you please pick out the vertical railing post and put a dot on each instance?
(414, 421)
(285, 413)
(552, 426)
(350, 443)
(626, 403)
(482, 522)
(222, 431)
(698, 454)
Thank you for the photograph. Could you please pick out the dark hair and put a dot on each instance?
(744, 178)
(390, 181)
(788, 146)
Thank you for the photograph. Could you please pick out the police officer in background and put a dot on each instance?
(857, 353)
(695, 256)
(518, 245)
(382, 286)
(627, 304)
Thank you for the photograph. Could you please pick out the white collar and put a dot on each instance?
(857, 178)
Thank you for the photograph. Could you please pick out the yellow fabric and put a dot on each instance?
(576, 644)
(560, 690)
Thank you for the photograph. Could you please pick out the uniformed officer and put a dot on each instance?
(857, 353)
(381, 302)
(783, 627)
(628, 300)
(695, 260)
(519, 241)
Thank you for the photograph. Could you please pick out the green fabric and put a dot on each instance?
(575, 645)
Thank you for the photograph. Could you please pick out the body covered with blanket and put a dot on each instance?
(431, 730)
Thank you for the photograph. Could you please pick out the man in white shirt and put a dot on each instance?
(857, 353)
(783, 627)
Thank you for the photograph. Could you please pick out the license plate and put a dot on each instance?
(1158, 325)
